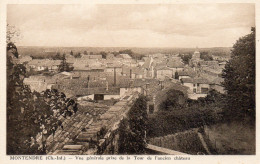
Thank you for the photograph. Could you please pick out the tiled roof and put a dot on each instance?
(202, 62)
(71, 59)
(105, 91)
(40, 78)
(125, 56)
(73, 126)
(135, 70)
(218, 81)
(110, 56)
(92, 56)
(163, 68)
(24, 59)
(216, 70)
(112, 65)
(147, 63)
(143, 82)
(85, 129)
(44, 62)
(195, 80)
(99, 86)
(183, 73)
(175, 64)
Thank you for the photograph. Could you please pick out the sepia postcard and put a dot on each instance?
(129, 81)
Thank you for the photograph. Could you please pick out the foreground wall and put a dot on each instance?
(100, 136)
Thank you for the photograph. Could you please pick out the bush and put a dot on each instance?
(179, 120)
(132, 130)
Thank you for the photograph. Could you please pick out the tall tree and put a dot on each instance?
(77, 55)
(186, 58)
(104, 54)
(239, 75)
(206, 56)
(71, 53)
(12, 34)
(64, 66)
(57, 56)
(31, 113)
(175, 99)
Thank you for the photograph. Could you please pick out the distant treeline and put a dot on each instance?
(137, 52)
(43, 54)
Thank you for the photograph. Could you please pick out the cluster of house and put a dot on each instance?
(101, 86)
(203, 76)
(97, 78)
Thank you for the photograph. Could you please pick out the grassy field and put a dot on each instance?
(235, 138)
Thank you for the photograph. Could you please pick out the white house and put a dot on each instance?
(198, 87)
(43, 64)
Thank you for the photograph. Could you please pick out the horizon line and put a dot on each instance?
(121, 47)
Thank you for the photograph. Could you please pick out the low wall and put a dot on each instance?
(189, 142)
(196, 96)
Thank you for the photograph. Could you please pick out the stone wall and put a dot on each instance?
(101, 135)
(188, 142)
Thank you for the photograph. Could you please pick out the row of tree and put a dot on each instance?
(185, 57)
(204, 55)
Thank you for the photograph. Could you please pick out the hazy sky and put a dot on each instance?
(183, 25)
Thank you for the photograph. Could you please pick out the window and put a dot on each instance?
(198, 84)
(194, 90)
(194, 85)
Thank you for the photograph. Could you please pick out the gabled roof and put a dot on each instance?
(187, 80)
(217, 81)
(125, 56)
(24, 59)
(163, 68)
(44, 62)
(110, 56)
(183, 73)
(195, 80)
(91, 56)
(175, 64)
(201, 81)
(147, 63)
(41, 78)
(135, 70)
(105, 91)
(114, 65)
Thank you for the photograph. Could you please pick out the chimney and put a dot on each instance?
(130, 73)
(161, 82)
(114, 76)
(107, 85)
(88, 81)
